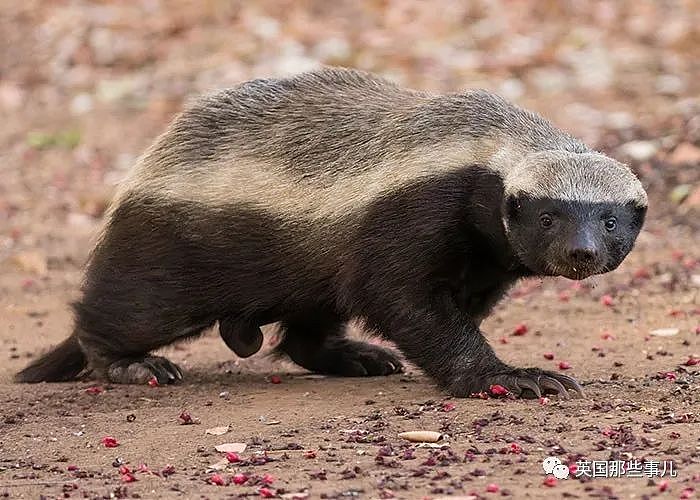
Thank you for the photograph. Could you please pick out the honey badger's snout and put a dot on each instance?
(583, 254)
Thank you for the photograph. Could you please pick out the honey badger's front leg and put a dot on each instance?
(449, 347)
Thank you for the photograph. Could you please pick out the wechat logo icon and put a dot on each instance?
(552, 465)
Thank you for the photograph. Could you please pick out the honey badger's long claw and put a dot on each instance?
(569, 383)
(551, 384)
(526, 383)
(243, 338)
(532, 382)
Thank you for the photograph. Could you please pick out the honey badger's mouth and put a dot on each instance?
(573, 271)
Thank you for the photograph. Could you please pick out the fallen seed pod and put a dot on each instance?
(421, 436)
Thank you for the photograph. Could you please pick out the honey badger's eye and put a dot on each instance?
(610, 223)
(546, 221)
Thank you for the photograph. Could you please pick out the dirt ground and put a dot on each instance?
(85, 86)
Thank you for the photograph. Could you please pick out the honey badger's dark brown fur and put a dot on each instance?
(335, 195)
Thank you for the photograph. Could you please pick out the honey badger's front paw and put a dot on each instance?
(526, 383)
(142, 370)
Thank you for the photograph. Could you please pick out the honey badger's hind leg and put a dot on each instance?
(118, 338)
(316, 341)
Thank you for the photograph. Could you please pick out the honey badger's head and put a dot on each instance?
(572, 214)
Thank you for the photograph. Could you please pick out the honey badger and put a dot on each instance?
(336, 195)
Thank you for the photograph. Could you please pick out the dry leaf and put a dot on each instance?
(220, 465)
(230, 447)
(218, 431)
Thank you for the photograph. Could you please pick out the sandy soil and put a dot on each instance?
(84, 88)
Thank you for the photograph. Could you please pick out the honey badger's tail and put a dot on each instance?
(64, 362)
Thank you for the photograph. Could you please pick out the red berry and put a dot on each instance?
(239, 478)
(520, 329)
(692, 361)
(186, 418)
(642, 274)
(548, 355)
(275, 379)
(109, 442)
(266, 492)
(233, 457)
(128, 478)
(515, 448)
(95, 389)
(564, 365)
(217, 479)
(498, 390)
(124, 470)
(267, 479)
(72, 468)
(448, 406)
(493, 488)
(607, 300)
(153, 382)
(663, 485)
(550, 481)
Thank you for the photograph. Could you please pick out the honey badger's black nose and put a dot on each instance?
(582, 248)
(584, 255)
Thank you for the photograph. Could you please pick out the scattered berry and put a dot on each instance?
(564, 365)
(607, 301)
(266, 492)
(493, 488)
(186, 418)
(550, 481)
(520, 329)
(95, 389)
(217, 479)
(448, 406)
(692, 361)
(275, 379)
(109, 442)
(153, 382)
(239, 478)
(233, 457)
(128, 478)
(663, 485)
(498, 390)
(548, 355)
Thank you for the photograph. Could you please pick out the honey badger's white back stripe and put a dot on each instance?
(237, 179)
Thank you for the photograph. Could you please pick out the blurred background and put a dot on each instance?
(85, 86)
